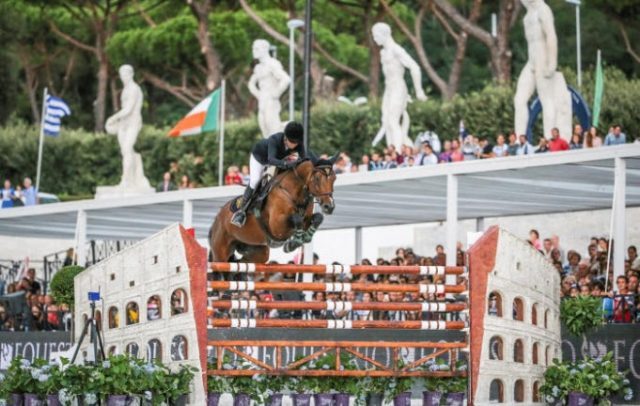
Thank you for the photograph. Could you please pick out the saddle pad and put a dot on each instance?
(236, 204)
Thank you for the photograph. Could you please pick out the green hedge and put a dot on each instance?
(77, 161)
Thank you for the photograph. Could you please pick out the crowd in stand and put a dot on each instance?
(580, 276)
(20, 195)
(32, 310)
(429, 150)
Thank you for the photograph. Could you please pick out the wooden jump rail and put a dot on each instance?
(338, 287)
(373, 368)
(336, 324)
(338, 305)
(231, 267)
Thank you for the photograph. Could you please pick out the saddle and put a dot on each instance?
(267, 183)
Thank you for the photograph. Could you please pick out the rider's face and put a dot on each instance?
(289, 144)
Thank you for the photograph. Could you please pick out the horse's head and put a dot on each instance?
(320, 183)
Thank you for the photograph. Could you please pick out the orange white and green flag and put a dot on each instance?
(202, 118)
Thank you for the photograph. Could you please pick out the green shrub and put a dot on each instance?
(77, 161)
(62, 284)
(581, 313)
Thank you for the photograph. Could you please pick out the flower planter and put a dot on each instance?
(403, 399)
(241, 399)
(118, 400)
(301, 399)
(53, 400)
(180, 400)
(431, 398)
(32, 400)
(374, 399)
(275, 399)
(213, 398)
(16, 399)
(580, 399)
(341, 399)
(323, 399)
(455, 399)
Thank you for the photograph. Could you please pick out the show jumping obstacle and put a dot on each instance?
(455, 310)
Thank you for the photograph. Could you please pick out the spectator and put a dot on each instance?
(69, 258)
(5, 320)
(542, 146)
(456, 153)
(576, 142)
(37, 319)
(632, 253)
(486, 149)
(524, 147)
(501, 149)
(184, 183)
(633, 283)
(426, 157)
(557, 143)
(166, 185)
(408, 162)
(8, 194)
(364, 163)
(244, 172)
(445, 155)
(577, 130)
(29, 193)
(470, 148)
(29, 283)
(376, 162)
(615, 136)
(233, 176)
(592, 139)
(534, 239)
(555, 241)
(547, 247)
(623, 302)
(389, 163)
(512, 148)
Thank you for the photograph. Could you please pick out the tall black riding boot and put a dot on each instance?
(240, 216)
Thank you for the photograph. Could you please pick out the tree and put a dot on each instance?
(500, 46)
(101, 17)
(625, 14)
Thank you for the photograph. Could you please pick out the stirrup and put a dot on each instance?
(239, 218)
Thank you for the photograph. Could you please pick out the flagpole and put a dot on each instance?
(44, 111)
(221, 157)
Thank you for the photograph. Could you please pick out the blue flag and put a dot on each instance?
(55, 109)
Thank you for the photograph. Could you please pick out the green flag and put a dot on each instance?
(599, 90)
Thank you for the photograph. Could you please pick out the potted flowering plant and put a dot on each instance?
(16, 382)
(216, 385)
(585, 382)
(301, 389)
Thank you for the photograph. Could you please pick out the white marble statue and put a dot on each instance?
(126, 124)
(394, 60)
(540, 74)
(267, 84)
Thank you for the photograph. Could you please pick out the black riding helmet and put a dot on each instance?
(294, 132)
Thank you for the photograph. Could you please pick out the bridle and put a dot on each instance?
(326, 170)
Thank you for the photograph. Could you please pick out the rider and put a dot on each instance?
(270, 151)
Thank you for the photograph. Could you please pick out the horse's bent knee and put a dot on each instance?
(296, 221)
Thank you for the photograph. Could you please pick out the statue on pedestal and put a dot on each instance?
(394, 60)
(267, 84)
(540, 75)
(126, 124)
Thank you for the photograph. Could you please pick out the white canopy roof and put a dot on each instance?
(543, 183)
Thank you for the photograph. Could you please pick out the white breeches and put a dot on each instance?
(255, 172)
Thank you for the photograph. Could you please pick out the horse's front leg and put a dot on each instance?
(297, 239)
(313, 224)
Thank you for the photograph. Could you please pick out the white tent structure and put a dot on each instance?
(545, 183)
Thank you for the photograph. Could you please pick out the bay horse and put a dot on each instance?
(285, 218)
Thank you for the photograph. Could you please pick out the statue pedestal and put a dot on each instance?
(116, 192)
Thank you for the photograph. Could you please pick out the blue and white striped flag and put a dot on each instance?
(55, 109)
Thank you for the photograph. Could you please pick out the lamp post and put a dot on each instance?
(578, 52)
(292, 24)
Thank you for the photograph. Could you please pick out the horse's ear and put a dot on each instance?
(334, 158)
